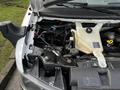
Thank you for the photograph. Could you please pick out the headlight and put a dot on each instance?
(28, 85)
(32, 83)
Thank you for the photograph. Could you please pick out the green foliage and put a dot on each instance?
(14, 14)
(5, 52)
(17, 3)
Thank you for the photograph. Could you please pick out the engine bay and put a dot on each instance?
(63, 51)
(59, 39)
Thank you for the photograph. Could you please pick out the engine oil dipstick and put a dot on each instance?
(109, 43)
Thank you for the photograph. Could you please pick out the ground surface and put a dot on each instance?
(10, 10)
(14, 83)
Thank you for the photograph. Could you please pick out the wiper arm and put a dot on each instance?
(114, 3)
(55, 2)
(69, 5)
(65, 5)
(102, 10)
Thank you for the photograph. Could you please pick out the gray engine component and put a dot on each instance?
(92, 79)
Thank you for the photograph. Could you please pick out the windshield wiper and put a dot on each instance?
(55, 2)
(69, 5)
(102, 10)
(85, 5)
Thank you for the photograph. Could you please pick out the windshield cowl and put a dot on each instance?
(39, 4)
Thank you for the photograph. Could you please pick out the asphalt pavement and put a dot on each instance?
(14, 83)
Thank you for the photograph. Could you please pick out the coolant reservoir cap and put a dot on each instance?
(89, 30)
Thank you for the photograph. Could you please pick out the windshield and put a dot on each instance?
(102, 9)
(96, 2)
(115, 3)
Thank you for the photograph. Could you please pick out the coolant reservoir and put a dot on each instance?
(88, 41)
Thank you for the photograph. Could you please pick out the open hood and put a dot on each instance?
(38, 4)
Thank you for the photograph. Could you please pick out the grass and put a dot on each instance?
(10, 10)
(17, 3)
(14, 14)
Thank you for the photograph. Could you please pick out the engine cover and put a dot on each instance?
(94, 79)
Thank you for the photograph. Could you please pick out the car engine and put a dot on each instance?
(74, 55)
(68, 45)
